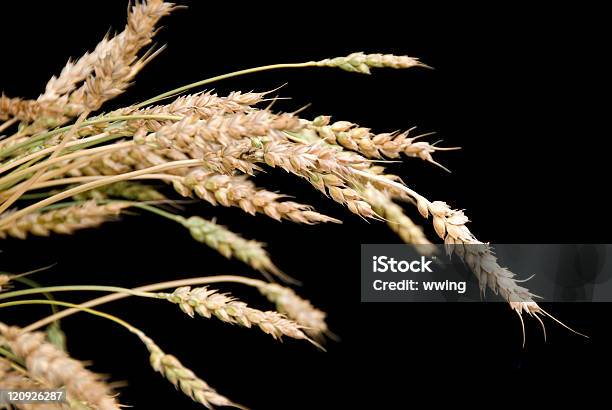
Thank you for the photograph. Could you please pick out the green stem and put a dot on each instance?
(147, 288)
(10, 355)
(97, 141)
(222, 77)
(152, 209)
(72, 305)
(96, 184)
(36, 285)
(20, 168)
(54, 326)
(74, 288)
(96, 120)
(62, 205)
(39, 195)
(80, 202)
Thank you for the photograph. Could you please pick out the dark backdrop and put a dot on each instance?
(520, 89)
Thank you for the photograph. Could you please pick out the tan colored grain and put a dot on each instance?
(114, 69)
(25, 110)
(362, 140)
(237, 190)
(201, 105)
(46, 362)
(219, 129)
(449, 224)
(63, 220)
(183, 378)
(107, 72)
(208, 302)
(297, 309)
(11, 379)
(401, 224)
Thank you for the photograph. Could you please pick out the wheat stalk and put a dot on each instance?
(129, 190)
(206, 146)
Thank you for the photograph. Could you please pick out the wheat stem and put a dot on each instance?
(79, 163)
(10, 355)
(93, 121)
(25, 171)
(356, 62)
(74, 288)
(73, 180)
(7, 124)
(206, 81)
(94, 184)
(147, 288)
(58, 149)
(74, 145)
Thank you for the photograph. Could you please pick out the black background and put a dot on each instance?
(521, 90)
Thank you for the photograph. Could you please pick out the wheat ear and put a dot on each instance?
(399, 223)
(137, 34)
(114, 70)
(450, 226)
(231, 245)
(230, 190)
(183, 378)
(63, 220)
(219, 129)
(361, 63)
(203, 105)
(25, 110)
(107, 72)
(208, 302)
(296, 308)
(11, 379)
(361, 139)
(46, 362)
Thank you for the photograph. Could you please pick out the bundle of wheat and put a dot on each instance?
(65, 167)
